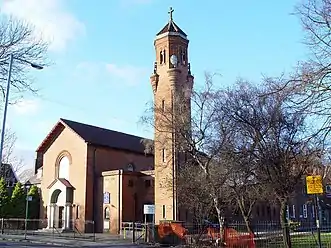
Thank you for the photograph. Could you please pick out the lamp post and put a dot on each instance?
(27, 200)
(11, 60)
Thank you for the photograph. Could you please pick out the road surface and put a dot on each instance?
(23, 244)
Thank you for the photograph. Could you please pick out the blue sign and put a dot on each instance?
(106, 198)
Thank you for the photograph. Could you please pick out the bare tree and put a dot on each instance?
(275, 137)
(11, 163)
(322, 166)
(194, 193)
(18, 38)
(315, 19)
(310, 85)
(9, 156)
(245, 189)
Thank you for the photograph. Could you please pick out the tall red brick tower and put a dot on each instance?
(172, 85)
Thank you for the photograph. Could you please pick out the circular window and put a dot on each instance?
(130, 167)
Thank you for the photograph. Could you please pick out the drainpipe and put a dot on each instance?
(174, 209)
(94, 188)
(119, 201)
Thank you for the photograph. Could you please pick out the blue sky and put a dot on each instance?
(103, 55)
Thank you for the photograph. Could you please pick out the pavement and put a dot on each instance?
(42, 241)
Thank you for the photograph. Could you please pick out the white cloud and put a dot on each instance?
(128, 74)
(93, 72)
(26, 107)
(50, 19)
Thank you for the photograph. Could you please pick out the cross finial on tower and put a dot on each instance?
(170, 13)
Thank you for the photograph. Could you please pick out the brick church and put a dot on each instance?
(95, 179)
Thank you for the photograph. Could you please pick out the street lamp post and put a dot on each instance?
(27, 200)
(11, 60)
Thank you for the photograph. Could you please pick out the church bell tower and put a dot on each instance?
(172, 85)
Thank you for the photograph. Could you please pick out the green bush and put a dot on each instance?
(34, 205)
(4, 199)
(18, 202)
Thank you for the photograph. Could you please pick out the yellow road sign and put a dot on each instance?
(314, 185)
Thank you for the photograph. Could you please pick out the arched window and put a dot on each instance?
(107, 213)
(161, 57)
(163, 105)
(63, 168)
(163, 155)
(180, 55)
(164, 57)
(183, 58)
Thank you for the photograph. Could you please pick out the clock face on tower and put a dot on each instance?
(173, 60)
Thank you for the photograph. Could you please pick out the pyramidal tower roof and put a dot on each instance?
(171, 27)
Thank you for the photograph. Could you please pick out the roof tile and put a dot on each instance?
(105, 137)
(171, 26)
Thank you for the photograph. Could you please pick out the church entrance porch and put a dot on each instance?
(60, 205)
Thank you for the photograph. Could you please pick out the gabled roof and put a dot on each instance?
(33, 180)
(64, 181)
(97, 136)
(7, 172)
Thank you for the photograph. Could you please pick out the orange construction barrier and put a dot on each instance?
(213, 233)
(179, 230)
(232, 238)
(166, 229)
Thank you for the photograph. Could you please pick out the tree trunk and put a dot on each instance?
(220, 221)
(246, 216)
(285, 224)
(248, 225)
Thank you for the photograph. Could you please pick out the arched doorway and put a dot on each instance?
(61, 194)
(55, 196)
(106, 218)
(57, 211)
(60, 205)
